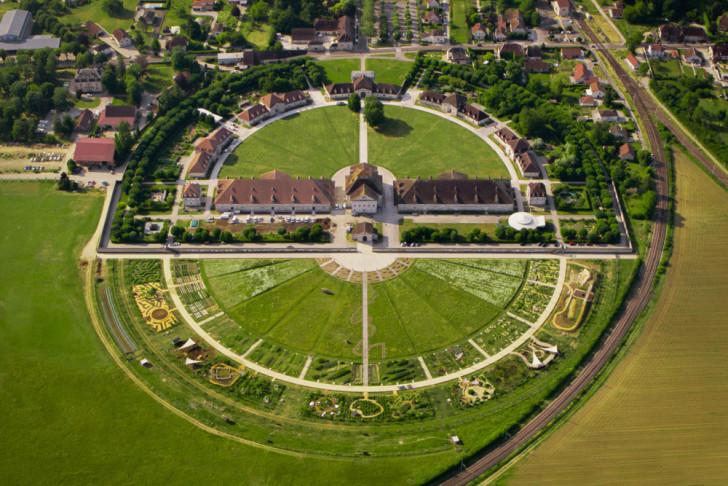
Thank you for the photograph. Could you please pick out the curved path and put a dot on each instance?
(241, 359)
(632, 308)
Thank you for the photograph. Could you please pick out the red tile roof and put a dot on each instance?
(275, 187)
(114, 115)
(94, 151)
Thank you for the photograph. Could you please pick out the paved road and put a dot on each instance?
(365, 328)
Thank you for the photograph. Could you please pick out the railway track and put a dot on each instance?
(635, 303)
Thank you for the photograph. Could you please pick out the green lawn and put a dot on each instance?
(65, 398)
(389, 70)
(158, 77)
(313, 143)
(459, 31)
(94, 12)
(339, 70)
(83, 104)
(419, 312)
(257, 34)
(174, 15)
(414, 143)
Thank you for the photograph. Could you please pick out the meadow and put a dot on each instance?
(413, 143)
(93, 12)
(318, 143)
(339, 70)
(389, 71)
(665, 397)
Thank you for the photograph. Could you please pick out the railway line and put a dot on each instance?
(635, 303)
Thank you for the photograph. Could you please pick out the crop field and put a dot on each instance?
(413, 143)
(389, 70)
(318, 143)
(339, 70)
(675, 370)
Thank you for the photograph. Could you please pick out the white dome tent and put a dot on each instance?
(523, 220)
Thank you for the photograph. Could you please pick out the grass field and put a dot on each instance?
(389, 70)
(94, 12)
(65, 397)
(339, 70)
(257, 34)
(317, 143)
(413, 143)
(665, 398)
(459, 31)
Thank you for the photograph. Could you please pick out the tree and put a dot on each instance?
(66, 184)
(235, 11)
(123, 141)
(114, 8)
(64, 126)
(72, 166)
(61, 100)
(354, 103)
(258, 12)
(374, 112)
(134, 91)
(155, 47)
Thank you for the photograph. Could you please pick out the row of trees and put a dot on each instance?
(304, 234)
(503, 233)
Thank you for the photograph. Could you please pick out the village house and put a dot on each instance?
(364, 189)
(453, 192)
(273, 104)
(431, 18)
(509, 50)
(203, 5)
(618, 132)
(669, 33)
(516, 22)
(533, 52)
(200, 165)
(536, 66)
(336, 34)
(655, 51)
(192, 195)
(176, 42)
(122, 39)
(616, 12)
(94, 152)
(632, 62)
(114, 115)
(215, 142)
(364, 232)
(692, 56)
(457, 55)
(606, 116)
(437, 36)
(723, 23)
(562, 8)
(570, 53)
(719, 52)
(86, 80)
(501, 29)
(94, 30)
(694, 34)
(275, 192)
(527, 160)
(580, 74)
(536, 194)
(456, 105)
(479, 32)
(595, 89)
(588, 101)
(84, 121)
(626, 152)
(363, 85)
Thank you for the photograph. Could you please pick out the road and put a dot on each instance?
(637, 299)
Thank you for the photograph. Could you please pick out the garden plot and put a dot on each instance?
(278, 358)
(496, 288)
(531, 302)
(500, 333)
(216, 268)
(191, 289)
(229, 334)
(330, 371)
(512, 267)
(544, 271)
(401, 371)
(231, 289)
(452, 359)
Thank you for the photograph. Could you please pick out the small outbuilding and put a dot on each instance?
(364, 233)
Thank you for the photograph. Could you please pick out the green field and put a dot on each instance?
(666, 397)
(339, 70)
(389, 70)
(414, 143)
(312, 143)
(257, 34)
(459, 31)
(284, 301)
(94, 12)
(158, 77)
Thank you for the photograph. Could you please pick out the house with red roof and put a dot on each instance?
(114, 115)
(94, 152)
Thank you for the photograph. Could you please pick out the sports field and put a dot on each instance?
(339, 70)
(414, 143)
(389, 70)
(660, 418)
(65, 398)
(318, 142)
